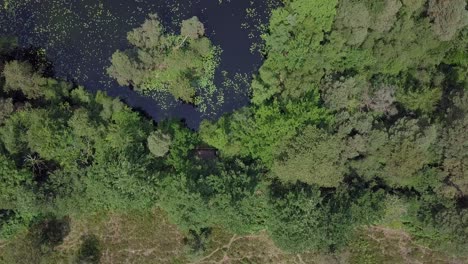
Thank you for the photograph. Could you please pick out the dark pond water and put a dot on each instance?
(79, 37)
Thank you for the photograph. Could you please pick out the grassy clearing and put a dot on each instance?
(130, 238)
(378, 244)
(149, 238)
(124, 238)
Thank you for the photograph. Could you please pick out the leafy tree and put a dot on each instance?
(384, 14)
(448, 17)
(295, 33)
(353, 21)
(6, 108)
(454, 143)
(124, 70)
(297, 220)
(353, 94)
(303, 219)
(159, 144)
(421, 90)
(192, 28)
(365, 37)
(17, 198)
(342, 94)
(184, 141)
(398, 154)
(309, 158)
(424, 100)
(20, 76)
(226, 194)
(438, 223)
(257, 132)
(402, 34)
(150, 36)
(78, 153)
(160, 61)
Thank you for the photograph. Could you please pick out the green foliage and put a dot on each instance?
(159, 144)
(309, 157)
(258, 131)
(192, 28)
(448, 16)
(439, 223)
(353, 94)
(421, 90)
(353, 21)
(17, 198)
(71, 152)
(342, 94)
(295, 34)
(161, 61)
(20, 76)
(378, 67)
(359, 118)
(303, 219)
(6, 108)
(454, 144)
(307, 40)
(224, 194)
(424, 100)
(196, 241)
(402, 38)
(184, 141)
(398, 154)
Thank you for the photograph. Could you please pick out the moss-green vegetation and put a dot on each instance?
(354, 149)
(182, 65)
(389, 89)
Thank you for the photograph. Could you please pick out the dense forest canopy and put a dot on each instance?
(358, 120)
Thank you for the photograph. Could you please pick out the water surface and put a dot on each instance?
(79, 37)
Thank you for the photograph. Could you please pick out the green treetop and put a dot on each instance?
(164, 62)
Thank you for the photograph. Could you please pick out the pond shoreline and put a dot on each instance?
(79, 37)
